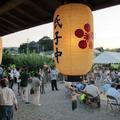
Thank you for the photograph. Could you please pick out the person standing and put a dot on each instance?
(1, 72)
(7, 101)
(53, 77)
(24, 76)
(14, 71)
(36, 89)
(10, 78)
(42, 79)
(18, 80)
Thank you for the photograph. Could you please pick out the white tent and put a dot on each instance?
(107, 58)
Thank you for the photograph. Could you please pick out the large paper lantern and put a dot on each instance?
(73, 39)
(0, 50)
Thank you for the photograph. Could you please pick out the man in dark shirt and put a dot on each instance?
(24, 76)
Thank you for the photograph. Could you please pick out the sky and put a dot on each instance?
(106, 30)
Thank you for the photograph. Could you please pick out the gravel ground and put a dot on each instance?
(56, 105)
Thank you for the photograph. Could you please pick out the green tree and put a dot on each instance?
(32, 61)
(23, 48)
(7, 58)
(45, 44)
(33, 47)
(101, 49)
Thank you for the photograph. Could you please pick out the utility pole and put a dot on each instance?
(27, 46)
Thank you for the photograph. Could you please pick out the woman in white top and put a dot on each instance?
(17, 75)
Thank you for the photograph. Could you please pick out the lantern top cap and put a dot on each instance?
(74, 4)
(77, 2)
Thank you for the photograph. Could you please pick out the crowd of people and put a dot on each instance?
(22, 79)
(98, 81)
(88, 85)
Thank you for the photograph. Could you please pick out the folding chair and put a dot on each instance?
(112, 101)
(91, 100)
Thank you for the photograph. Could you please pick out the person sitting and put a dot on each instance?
(112, 91)
(108, 78)
(68, 86)
(118, 88)
(93, 90)
(105, 87)
(80, 86)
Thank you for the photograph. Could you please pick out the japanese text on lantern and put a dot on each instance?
(57, 27)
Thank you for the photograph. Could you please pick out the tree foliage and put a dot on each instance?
(7, 58)
(33, 61)
(101, 49)
(44, 44)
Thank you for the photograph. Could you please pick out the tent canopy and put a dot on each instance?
(107, 58)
